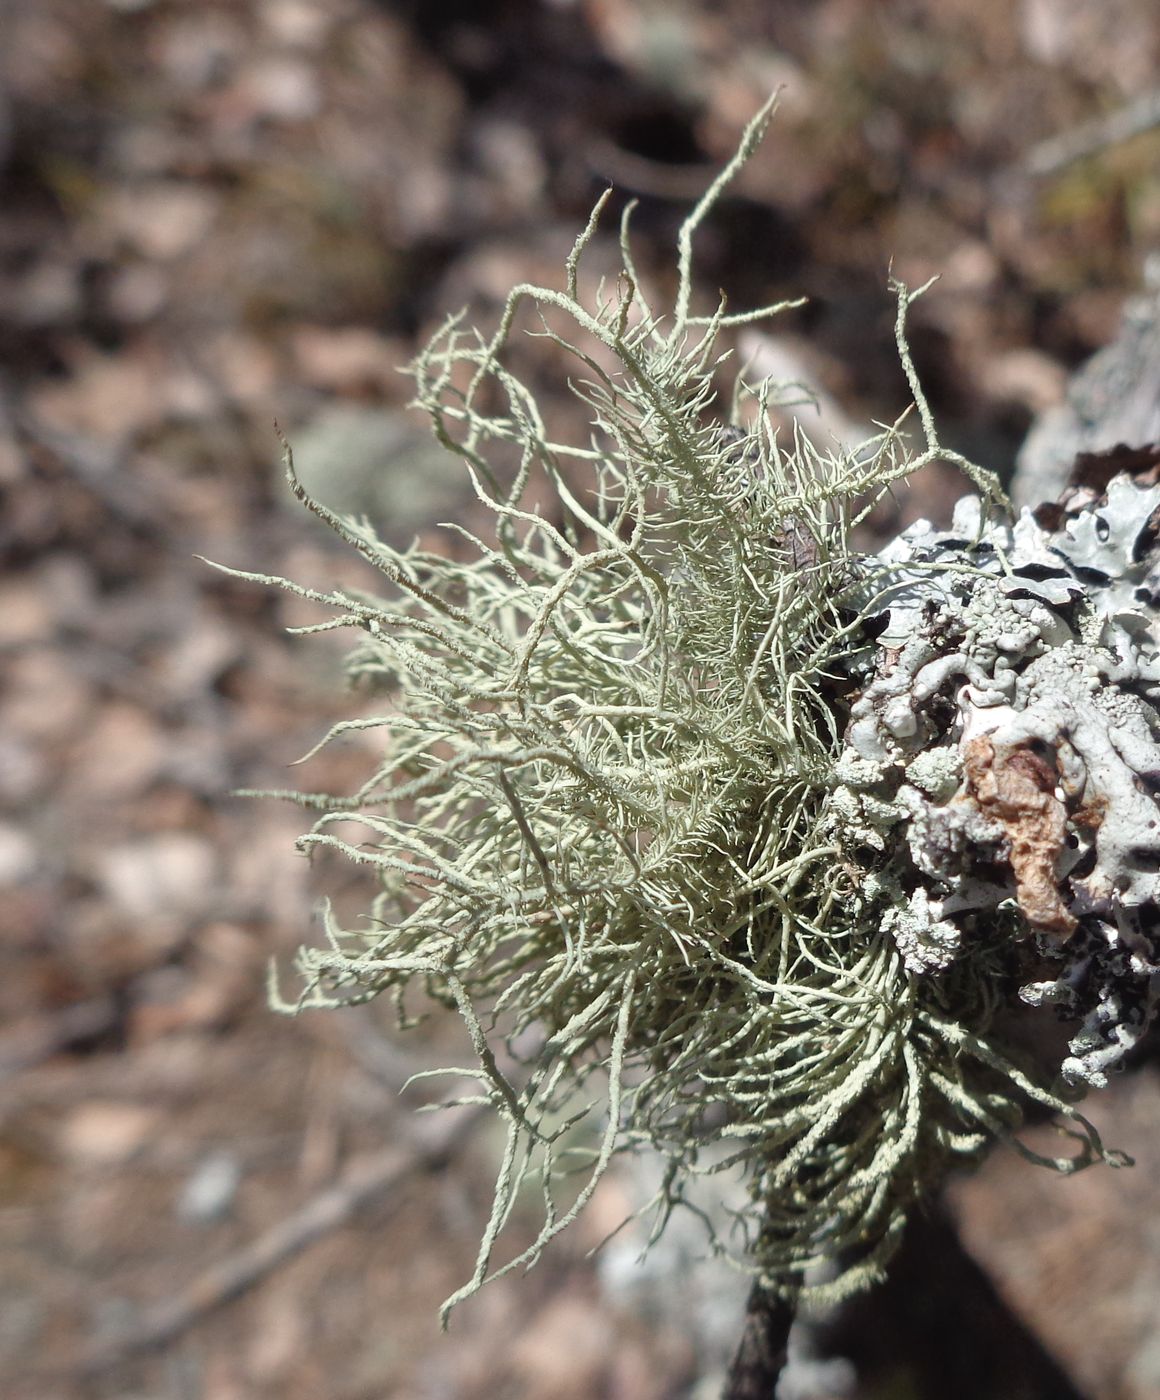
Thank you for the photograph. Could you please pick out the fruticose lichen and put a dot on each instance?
(714, 829)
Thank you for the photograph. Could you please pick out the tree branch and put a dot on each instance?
(761, 1353)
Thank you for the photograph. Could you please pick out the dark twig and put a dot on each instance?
(761, 1353)
(30, 1042)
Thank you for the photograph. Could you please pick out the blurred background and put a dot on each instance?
(218, 214)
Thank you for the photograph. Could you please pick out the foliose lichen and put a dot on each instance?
(1005, 748)
(714, 829)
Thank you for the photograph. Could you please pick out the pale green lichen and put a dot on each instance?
(609, 732)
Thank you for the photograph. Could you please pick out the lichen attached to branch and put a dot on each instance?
(618, 823)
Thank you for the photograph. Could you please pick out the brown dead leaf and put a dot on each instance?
(106, 1134)
(108, 396)
(163, 219)
(346, 358)
(121, 751)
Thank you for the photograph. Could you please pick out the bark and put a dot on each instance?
(762, 1351)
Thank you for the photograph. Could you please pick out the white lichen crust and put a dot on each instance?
(1004, 752)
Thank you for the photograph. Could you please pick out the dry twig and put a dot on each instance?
(373, 1175)
(1089, 138)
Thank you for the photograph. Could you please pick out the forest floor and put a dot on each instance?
(217, 217)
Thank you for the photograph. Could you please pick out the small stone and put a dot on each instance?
(285, 89)
(18, 855)
(173, 873)
(210, 1189)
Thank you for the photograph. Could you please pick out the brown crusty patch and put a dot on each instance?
(1014, 785)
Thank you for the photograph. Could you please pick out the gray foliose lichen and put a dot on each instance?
(1001, 764)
